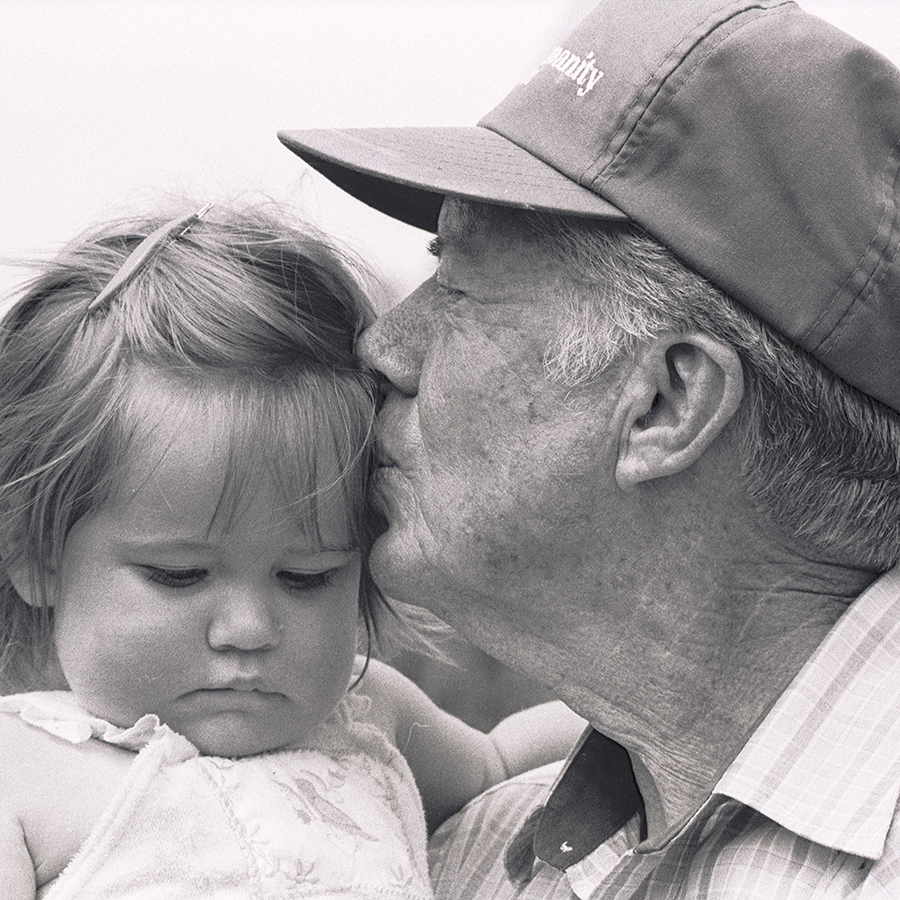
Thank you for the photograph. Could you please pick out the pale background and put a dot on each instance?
(106, 105)
(110, 105)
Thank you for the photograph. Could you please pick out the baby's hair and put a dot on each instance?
(249, 316)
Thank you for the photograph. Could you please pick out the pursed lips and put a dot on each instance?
(236, 686)
(393, 441)
(230, 700)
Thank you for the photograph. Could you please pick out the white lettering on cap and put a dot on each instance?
(582, 71)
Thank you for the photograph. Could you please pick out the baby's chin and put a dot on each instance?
(243, 726)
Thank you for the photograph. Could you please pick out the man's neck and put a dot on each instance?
(706, 685)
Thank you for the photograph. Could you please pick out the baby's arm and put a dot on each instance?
(17, 876)
(52, 793)
(536, 736)
(453, 762)
(17, 880)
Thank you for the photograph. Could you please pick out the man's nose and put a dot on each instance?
(396, 344)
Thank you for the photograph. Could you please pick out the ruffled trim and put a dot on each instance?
(60, 714)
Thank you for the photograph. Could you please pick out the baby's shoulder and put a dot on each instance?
(26, 757)
(53, 791)
(21, 758)
(33, 761)
(375, 675)
(17, 868)
(382, 683)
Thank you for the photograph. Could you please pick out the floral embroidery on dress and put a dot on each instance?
(338, 817)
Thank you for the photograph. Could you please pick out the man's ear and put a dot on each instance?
(683, 389)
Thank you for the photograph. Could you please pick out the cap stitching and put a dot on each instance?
(685, 72)
(872, 281)
(702, 30)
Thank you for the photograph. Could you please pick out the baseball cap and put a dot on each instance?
(757, 142)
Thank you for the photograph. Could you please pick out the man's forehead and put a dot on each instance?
(459, 227)
(475, 229)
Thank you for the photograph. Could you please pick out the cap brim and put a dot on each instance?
(406, 172)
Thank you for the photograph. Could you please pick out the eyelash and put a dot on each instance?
(308, 581)
(176, 578)
(435, 248)
(295, 581)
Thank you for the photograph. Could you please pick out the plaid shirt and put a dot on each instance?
(806, 810)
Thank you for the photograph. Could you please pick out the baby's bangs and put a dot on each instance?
(310, 434)
(212, 301)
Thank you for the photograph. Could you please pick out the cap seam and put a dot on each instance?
(874, 278)
(702, 30)
(648, 118)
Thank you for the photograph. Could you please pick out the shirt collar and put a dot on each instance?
(825, 762)
(593, 797)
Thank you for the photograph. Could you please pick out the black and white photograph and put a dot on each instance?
(450, 450)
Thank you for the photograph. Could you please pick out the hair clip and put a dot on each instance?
(144, 251)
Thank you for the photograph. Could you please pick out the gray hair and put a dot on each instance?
(818, 457)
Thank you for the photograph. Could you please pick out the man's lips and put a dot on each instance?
(384, 462)
(394, 434)
(383, 457)
(387, 485)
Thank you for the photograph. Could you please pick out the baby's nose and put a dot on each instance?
(244, 622)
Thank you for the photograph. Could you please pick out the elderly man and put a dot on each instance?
(641, 441)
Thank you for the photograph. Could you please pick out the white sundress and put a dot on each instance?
(339, 818)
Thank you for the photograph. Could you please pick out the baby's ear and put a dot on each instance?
(25, 579)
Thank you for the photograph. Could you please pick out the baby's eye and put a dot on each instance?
(307, 581)
(177, 578)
